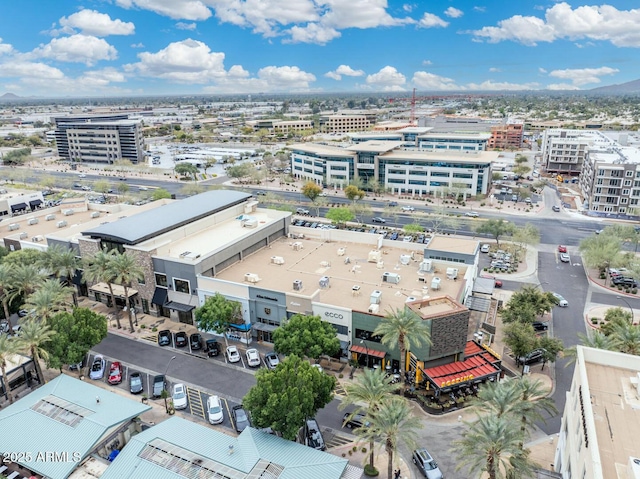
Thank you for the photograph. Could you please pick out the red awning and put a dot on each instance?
(368, 351)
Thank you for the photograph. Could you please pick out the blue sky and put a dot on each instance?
(149, 47)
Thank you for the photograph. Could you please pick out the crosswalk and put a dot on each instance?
(150, 337)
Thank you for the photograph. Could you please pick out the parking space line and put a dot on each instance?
(195, 402)
(151, 337)
(229, 415)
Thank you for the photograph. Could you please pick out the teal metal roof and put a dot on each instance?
(62, 416)
(176, 448)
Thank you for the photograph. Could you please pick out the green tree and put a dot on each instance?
(534, 401)
(24, 257)
(6, 284)
(97, 268)
(125, 271)
(393, 422)
(123, 188)
(52, 296)
(75, 334)
(497, 229)
(626, 338)
(526, 304)
(285, 397)
(601, 251)
(528, 235)
(311, 191)
(340, 216)
(306, 336)
(401, 328)
(614, 317)
(372, 387)
(217, 313)
(63, 263)
(8, 349)
(239, 171)
(497, 398)
(353, 193)
(360, 210)
(159, 194)
(209, 163)
(413, 228)
(551, 347)
(34, 335)
(102, 187)
(186, 169)
(520, 338)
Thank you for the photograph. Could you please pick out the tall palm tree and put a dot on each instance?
(8, 348)
(97, 268)
(125, 271)
(401, 328)
(48, 299)
(488, 444)
(26, 279)
(533, 401)
(372, 387)
(393, 421)
(33, 335)
(498, 399)
(6, 283)
(597, 340)
(63, 263)
(626, 338)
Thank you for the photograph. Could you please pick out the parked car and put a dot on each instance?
(393, 203)
(240, 418)
(97, 367)
(181, 339)
(233, 356)
(563, 303)
(471, 214)
(253, 357)
(408, 208)
(179, 396)
(318, 367)
(625, 281)
(214, 410)
(394, 236)
(378, 219)
(195, 341)
(164, 337)
(496, 282)
(485, 248)
(354, 421)
(426, 464)
(302, 211)
(115, 373)
(158, 386)
(534, 356)
(212, 348)
(272, 360)
(407, 239)
(312, 435)
(562, 249)
(540, 326)
(135, 383)
(555, 208)
(527, 200)
(565, 258)
(261, 193)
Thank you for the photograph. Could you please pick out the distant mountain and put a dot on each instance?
(10, 96)
(629, 87)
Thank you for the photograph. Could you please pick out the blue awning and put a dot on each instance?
(241, 327)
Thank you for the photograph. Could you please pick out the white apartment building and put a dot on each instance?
(563, 150)
(600, 423)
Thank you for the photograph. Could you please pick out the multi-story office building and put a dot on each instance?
(506, 137)
(103, 139)
(563, 151)
(600, 422)
(346, 121)
(280, 127)
(399, 169)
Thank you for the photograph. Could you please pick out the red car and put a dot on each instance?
(115, 373)
(562, 249)
(497, 282)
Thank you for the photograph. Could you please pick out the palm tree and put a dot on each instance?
(26, 279)
(626, 338)
(488, 444)
(8, 349)
(401, 328)
(6, 283)
(597, 340)
(33, 335)
(497, 398)
(125, 270)
(393, 421)
(50, 298)
(533, 401)
(372, 388)
(63, 263)
(98, 269)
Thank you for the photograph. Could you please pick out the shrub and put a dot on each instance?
(355, 448)
(594, 320)
(634, 290)
(363, 450)
(340, 375)
(143, 326)
(370, 471)
(154, 329)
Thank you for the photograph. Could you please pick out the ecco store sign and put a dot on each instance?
(329, 314)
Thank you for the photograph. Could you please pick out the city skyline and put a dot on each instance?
(155, 47)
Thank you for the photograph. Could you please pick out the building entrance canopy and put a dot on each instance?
(118, 291)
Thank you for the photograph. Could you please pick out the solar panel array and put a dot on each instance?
(61, 410)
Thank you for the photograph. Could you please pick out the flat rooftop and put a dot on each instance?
(442, 155)
(322, 150)
(452, 244)
(376, 146)
(350, 283)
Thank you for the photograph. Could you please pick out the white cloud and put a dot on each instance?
(583, 76)
(312, 33)
(137, 45)
(333, 76)
(480, 9)
(429, 81)
(408, 8)
(102, 78)
(427, 62)
(286, 77)
(542, 70)
(561, 86)
(184, 9)
(23, 69)
(429, 20)
(185, 26)
(5, 48)
(386, 78)
(490, 85)
(494, 70)
(91, 22)
(76, 48)
(344, 70)
(453, 12)
(603, 23)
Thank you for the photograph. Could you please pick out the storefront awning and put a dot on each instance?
(368, 351)
(240, 327)
(118, 291)
(159, 296)
(19, 206)
(264, 327)
(35, 203)
(183, 308)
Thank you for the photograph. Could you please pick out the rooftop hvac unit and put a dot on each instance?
(68, 212)
(14, 226)
(23, 235)
(435, 283)
(297, 246)
(374, 256)
(297, 285)
(277, 260)
(374, 308)
(61, 224)
(375, 297)
(250, 223)
(33, 221)
(50, 217)
(95, 214)
(324, 282)
(341, 251)
(405, 259)
(392, 278)
(37, 239)
(251, 277)
(426, 265)
(452, 273)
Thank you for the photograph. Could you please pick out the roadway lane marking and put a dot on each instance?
(196, 407)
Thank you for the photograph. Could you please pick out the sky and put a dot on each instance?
(67, 48)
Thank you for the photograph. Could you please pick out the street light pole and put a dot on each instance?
(364, 343)
(628, 305)
(168, 364)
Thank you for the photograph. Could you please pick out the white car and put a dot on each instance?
(485, 248)
(563, 303)
(179, 396)
(408, 208)
(253, 357)
(565, 258)
(471, 214)
(214, 410)
(233, 356)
